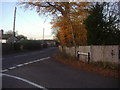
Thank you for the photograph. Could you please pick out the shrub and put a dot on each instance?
(7, 47)
(25, 45)
(31, 44)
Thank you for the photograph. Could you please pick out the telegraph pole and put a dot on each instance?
(43, 35)
(43, 30)
(14, 25)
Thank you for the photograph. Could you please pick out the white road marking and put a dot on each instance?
(24, 80)
(44, 58)
(5, 70)
(12, 67)
(30, 62)
(38, 60)
(35, 61)
(20, 65)
(26, 63)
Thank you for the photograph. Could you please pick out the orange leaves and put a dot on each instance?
(76, 15)
(80, 34)
(66, 38)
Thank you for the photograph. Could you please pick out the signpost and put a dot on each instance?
(84, 53)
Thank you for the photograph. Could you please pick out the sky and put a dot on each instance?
(28, 22)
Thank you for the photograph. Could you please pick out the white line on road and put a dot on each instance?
(35, 61)
(44, 58)
(24, 80)
(5, 70)
(30, 62)
(12, 67)
(26, 63)
(20, 65)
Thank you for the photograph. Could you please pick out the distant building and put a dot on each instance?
(51, 42)
(2, 39)
(7, 38)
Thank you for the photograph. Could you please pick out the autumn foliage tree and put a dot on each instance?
(65, 33)
(74, 22)
(68, 18)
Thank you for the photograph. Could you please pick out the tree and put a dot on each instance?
(65, 36)
(112, 22)
(10, 32)
(21, 37)
(102, 26)
(61, 10)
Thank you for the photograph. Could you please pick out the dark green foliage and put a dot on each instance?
(7, 48)
(30, 44)
(24, 45)
(100, 31)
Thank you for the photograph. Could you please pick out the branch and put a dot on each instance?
(57, 8)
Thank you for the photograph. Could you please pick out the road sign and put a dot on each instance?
(84, 53)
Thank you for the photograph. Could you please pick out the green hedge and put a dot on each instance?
(30, 45)
(25, 45)
(7, 48)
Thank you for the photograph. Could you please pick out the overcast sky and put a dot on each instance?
(28, 22)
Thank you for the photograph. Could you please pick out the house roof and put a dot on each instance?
(6, 36)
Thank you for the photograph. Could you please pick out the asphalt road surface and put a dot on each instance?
(39, 70)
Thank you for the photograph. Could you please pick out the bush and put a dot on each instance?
(7, 47)
(17, 46)
(30, 44)
(25, 45)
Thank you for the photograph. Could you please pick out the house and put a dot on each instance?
(8, 38)
(2, 39)
(51, 42)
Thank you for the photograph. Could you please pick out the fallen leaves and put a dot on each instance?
(88, 67)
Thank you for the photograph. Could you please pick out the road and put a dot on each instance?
(39, 70)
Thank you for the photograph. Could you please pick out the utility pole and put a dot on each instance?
(43, 30)
(43, 35)
(14, 25)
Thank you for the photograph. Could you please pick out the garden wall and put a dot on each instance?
(109, 53)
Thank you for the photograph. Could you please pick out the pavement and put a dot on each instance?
(39, 70)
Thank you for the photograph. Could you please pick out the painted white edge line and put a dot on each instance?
(24, 80)
(5, 70)
(26, 63)
(19, 65)
(30, 62)
(12, 67)
(44, 58)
